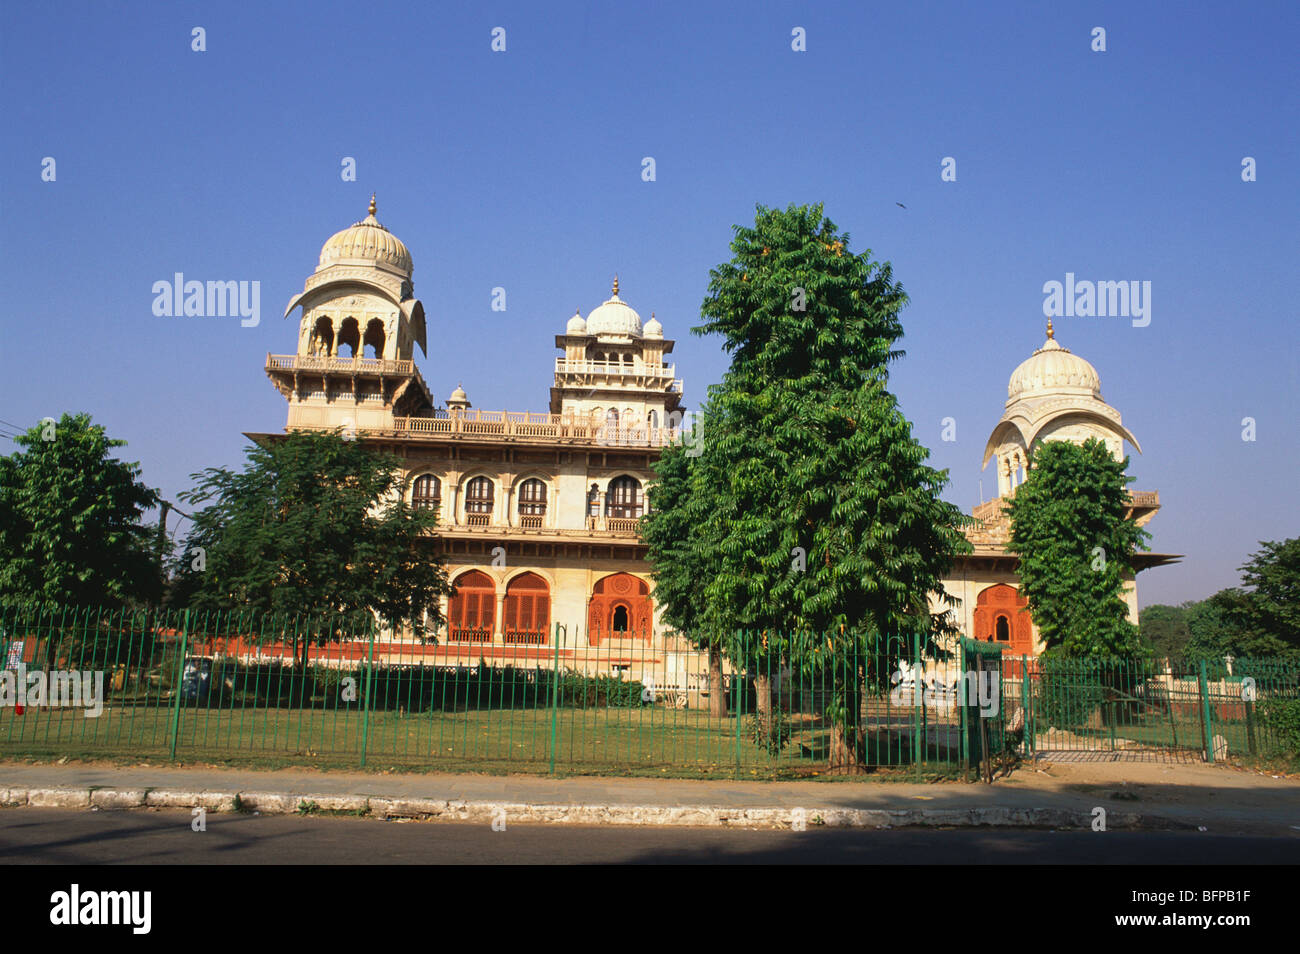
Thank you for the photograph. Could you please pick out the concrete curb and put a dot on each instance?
(695, 816)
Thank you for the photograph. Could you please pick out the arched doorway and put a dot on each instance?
(1002, 617)
(620, 608)
(527, 610)
(472, 611)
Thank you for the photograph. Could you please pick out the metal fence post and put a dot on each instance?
(918, 744)
(1207, 727)
(180, 670)
(555, 693)
(365, 703)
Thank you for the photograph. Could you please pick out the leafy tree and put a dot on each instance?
(1263, 620)
(1075, 544)
(683, 548)
(820, 514)
(1164, 629)
(315, 525)
(70, 530)
(1273, 620)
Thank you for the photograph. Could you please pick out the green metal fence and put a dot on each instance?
(334, 691)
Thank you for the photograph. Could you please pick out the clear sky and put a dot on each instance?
(523, 169)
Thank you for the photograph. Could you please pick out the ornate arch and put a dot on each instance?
(620, 608)
(1002, 610)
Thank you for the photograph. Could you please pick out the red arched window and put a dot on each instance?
(426, 492)
(528, 609)
(472, 611)
(1002, 617)
(620, 608)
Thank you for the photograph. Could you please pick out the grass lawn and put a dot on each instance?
(648, 740)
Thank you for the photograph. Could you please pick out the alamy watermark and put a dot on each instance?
(193, 299)
(1086, 299)
(982, 689)
(62, 688)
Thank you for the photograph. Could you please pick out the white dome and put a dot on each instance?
(652, 327)
(366, 241)
(1053, 368)
(614, 316)
(576, 325)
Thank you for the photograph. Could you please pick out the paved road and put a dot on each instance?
(55, 836)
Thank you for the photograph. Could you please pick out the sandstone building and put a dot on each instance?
(538, 512)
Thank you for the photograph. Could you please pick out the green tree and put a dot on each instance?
(1164, 629)
(822, 516)
(315, 525)
(70, 520)
(683, 549)
(1261, 618)
(1075, 545)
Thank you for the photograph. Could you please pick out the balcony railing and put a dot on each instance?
(313, 363)
(568, 366)
(526, 426)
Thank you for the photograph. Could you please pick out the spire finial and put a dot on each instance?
(372, 203)
(616, 286)
(1050, 333)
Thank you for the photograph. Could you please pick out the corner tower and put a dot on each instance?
(613, 374)
(1052, 395)
(355, 365)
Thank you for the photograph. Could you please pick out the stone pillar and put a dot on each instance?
(499, 630)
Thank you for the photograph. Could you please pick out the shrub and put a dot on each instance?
(582, 692)
(1281, 721)
(771, 735)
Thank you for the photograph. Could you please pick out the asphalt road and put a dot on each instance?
(59, 836)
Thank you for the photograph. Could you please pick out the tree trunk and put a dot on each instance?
(763, 702)
(848, 748)
(717, 689)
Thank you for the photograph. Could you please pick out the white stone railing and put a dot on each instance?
(301, 362)
(525, 426)
(584, 366)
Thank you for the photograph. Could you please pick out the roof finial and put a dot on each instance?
(372, 203)
(616, 286)
(1050, 333)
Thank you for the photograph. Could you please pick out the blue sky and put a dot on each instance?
(522, 169)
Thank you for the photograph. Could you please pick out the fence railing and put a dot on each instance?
(338, 691)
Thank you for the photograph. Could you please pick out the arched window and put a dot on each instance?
(611, 418)
(653, 419)
(624, 498)
(479, 497)
(532, 499)
(472, 610)
(527, 610)
(593, 501)
(426, 492)
(322, 337)
(1004, 630)
(375, 338)
(350, 335)
(621, 607)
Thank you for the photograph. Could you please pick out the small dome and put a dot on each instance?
(576, 325)
(614, 317)
(366, 241)
(652, 327)
(1053, 368)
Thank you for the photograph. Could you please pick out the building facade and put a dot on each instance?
(538, 512)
